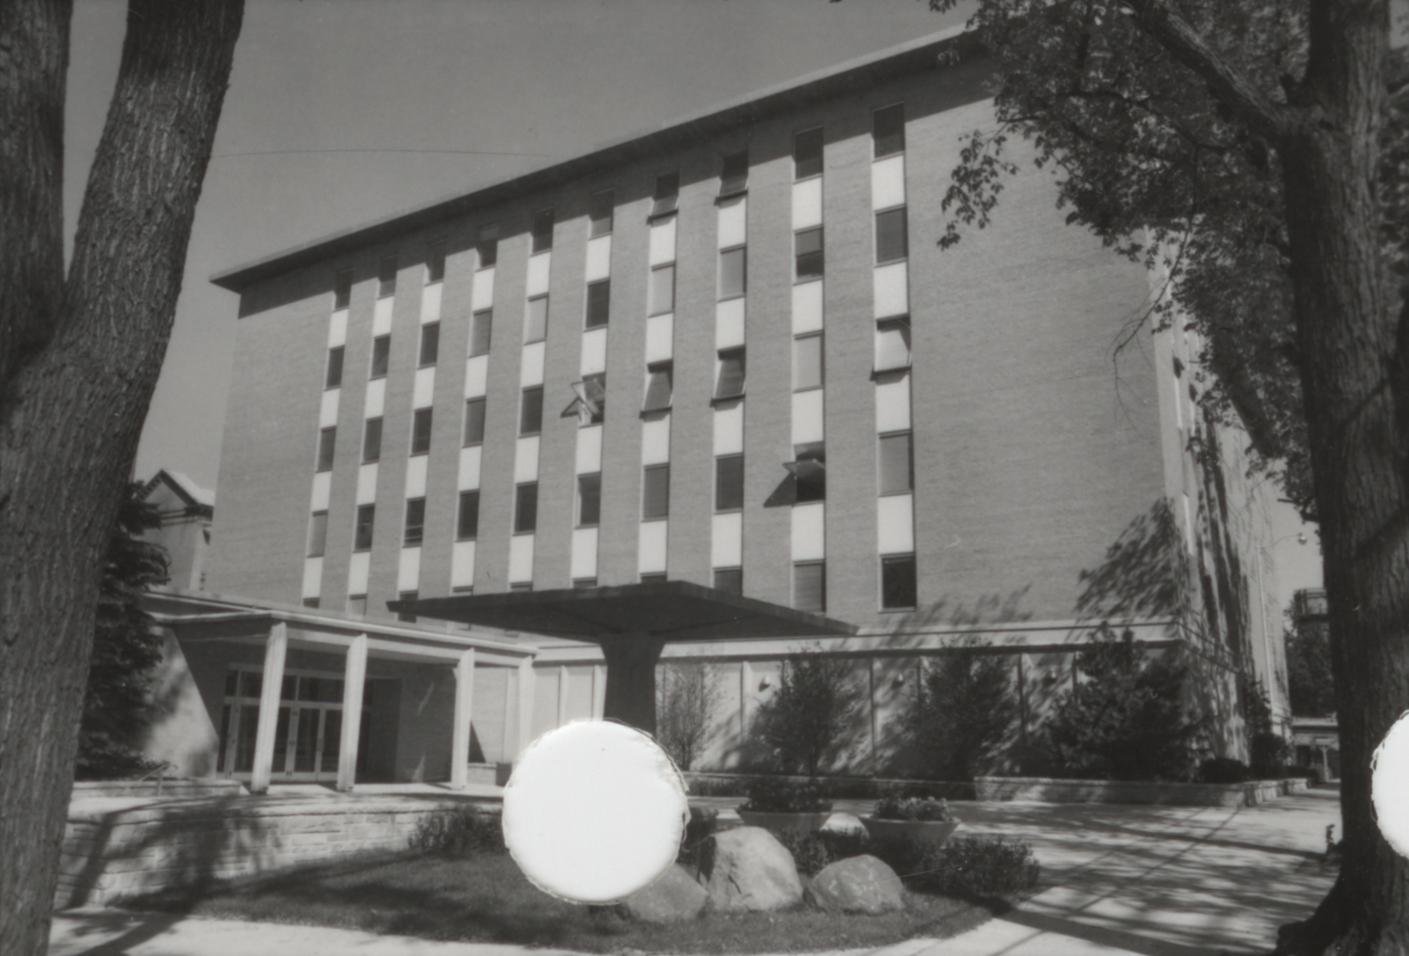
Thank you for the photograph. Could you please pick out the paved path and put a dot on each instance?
(1151, 881)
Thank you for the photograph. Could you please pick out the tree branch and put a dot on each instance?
(1231, 88)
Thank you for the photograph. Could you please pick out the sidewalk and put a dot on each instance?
(1152, 881)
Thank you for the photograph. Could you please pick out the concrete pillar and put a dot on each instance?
(525, 705)
(562, 696)
(275, 650)
(460, 736)
(599, 690)
(354, 677)
(631, 679)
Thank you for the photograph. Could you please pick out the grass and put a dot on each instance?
(485, 898)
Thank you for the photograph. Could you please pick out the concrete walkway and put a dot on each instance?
(1152, 881)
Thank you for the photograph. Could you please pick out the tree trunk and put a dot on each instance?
(1356, 384)
(76, 392)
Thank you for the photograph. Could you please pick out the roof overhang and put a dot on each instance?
(670, 610)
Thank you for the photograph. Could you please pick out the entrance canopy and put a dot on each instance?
(631, 623)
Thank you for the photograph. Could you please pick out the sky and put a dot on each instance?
(343, 112)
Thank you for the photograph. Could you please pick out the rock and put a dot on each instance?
(747, 870)
(675, 896)
(844, 824)
(858, 884)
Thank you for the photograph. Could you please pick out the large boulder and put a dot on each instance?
(858, 884)
(675, 896)
(747, 870)
(844, 824)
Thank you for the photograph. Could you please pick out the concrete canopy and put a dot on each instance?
(631, 623)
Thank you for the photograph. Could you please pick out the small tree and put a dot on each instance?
(1268, 750)
(1310, 689)
(116, 704)
(963, 710)
(1126, 720)
(806, 722)
(688, 694)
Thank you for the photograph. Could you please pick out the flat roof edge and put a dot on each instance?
(240, 277)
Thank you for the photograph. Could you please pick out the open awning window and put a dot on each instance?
(659, 377)
(809, 471)
(892, 344)
(589, 400)
(729, 383)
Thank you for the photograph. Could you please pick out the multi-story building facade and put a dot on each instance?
(732, 352)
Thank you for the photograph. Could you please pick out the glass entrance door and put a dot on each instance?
(307, 735)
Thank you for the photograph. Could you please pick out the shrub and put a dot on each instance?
(785, 796)
(1223, 770)
(964, 709)
(462, 833)
(813, 851)
(1270, 752)
(977, 868)
(806, 722)
(686, 696)
(912, 808)
(704, 821)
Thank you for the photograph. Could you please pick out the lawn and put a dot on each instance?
(485, 898)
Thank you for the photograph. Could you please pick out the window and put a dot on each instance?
(807, 253)
(386, 277)
(357, 604)
(435, 262)
(430, 343)
(729, 580)
(589, 399)
(893, 344)
(543, 230)
(599, 211)
(730, 381)
(655, 492)
(888, 130)
(317, 534)
(327, 442)
(535, 319)
(898, 582)
(408, 617)
(521, 586)
(733, 273)
(599, 303)
(371, 440)
(734, 174)
(807, 153)
(467, 521)
(809, 471)
(481, 323)
(896, 464)
(310, 602)
(381, 355)
(334, 376)
(487, 246)
(666, 195)
(342, 289)
(474, 421)
(659, 383)
(421, 431)
(891, 243)
(582, 584)
(415, 528)
(661, 297)
(589, 500)
(531, 411)
(653, 577)
(810, 586)
(729, 483)
(807, 362)
(526, 508)
(362, 535)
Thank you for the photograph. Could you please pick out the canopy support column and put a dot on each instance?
(631, 679)
(271, 688)
(460, 736)
(354, 677)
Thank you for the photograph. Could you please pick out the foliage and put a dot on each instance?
(1309, 686)
(116, 703)
(814, 851)
(912, 808)
(703, 823)
(465, 832)
(1223, 770)
(1126, 719)
(806, 720)
(1268, 751)
(964, 709)
(771, 795)
(977, 868)
(837, 788)
(686, 698)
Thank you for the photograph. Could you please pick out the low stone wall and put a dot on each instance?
(168, 789)
(1056, 790)
(860, 788)
(117, 847)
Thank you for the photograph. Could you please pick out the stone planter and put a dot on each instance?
(926, 832)
(781, 823)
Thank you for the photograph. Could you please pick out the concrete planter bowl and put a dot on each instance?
(778, 824)
(925, 832)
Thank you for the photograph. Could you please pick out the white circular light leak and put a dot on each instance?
(594, 811)
(1389, 785)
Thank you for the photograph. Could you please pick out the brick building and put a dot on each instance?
(730, 352)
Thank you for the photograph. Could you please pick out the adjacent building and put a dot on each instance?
(731, 352)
